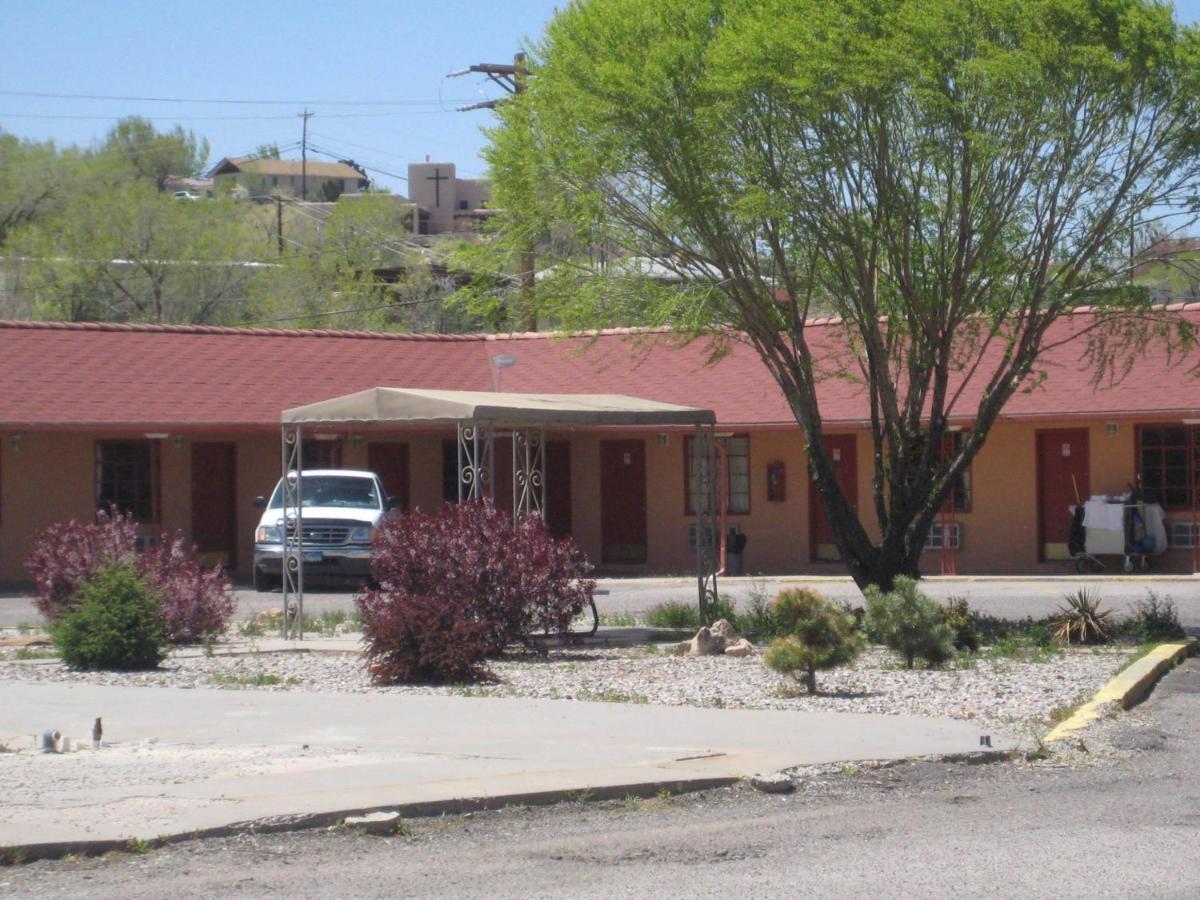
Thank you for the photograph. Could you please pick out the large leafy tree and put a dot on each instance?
(155, 155)
(126, 252)
(948, 178)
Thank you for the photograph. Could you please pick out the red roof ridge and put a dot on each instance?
(228, 329)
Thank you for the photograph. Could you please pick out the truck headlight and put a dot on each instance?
(362, 534)
(267, 534)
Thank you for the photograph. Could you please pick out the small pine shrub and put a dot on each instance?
(909, 623)
(1082, 621)
(1155, 620)
(116, 623)
(958, 616)
(67, 553)
(672, 614)
(198, 603)
(462, 584)
(821, 636)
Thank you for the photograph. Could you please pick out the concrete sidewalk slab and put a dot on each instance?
(177, 761)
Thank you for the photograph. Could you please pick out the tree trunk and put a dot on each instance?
(810, 680)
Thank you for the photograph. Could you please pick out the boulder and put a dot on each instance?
(740, 647)
(705, 643)
(725, 629)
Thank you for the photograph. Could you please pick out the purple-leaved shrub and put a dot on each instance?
(461, 584)
(197, 602)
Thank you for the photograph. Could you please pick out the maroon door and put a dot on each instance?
(1062, 469)
(389, 460)
(214, 499)
(558, 487)
(622, 501)
(843, 452)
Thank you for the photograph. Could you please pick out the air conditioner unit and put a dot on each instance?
(944, 536)
(691, 536)
(1182, 535)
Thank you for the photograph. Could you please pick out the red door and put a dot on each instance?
(1062, 469)
(623, 501)
(558, 487)
(214, 500)
(843, 452)
(390, 462)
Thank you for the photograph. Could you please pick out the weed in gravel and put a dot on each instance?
(618, 620)
(33, 653)
(1154, 620)
(673, 614)
(25, 627)
(632, 801)
(850, 770)
(258, 679)
(403, 828)
(581, 796)
(251, 627)
(664, 794)
(609, 696)
(1060, 714)
(137, 845)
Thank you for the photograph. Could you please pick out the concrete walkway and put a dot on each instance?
(177, 761)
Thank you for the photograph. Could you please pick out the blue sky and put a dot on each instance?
(366, 51)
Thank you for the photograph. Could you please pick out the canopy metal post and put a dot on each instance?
(529, 473)
(704, 469)
(476, 460)
(292, 564)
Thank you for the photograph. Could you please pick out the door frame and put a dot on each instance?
(1039, 435)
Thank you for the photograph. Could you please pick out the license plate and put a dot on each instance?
(313, 556)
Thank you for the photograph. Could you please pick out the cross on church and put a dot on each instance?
(437, 178)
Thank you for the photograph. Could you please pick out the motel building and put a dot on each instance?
(180, 425)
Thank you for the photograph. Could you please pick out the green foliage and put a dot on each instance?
(943, 177)
(1082, 621)
(959, 617)
(672, 614)
(758, 621)
(151, 155)
(117, 624)
(821, 636)
(909, 622)
(1155, 620)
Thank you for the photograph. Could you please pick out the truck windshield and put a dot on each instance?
(333, 490)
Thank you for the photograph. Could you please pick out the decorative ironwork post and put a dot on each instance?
(476, 461)
(529, 473)
(292, 565)
(704, 499)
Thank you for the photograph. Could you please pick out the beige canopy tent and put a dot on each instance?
(482, 417)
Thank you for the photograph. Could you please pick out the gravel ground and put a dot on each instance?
(999, 692)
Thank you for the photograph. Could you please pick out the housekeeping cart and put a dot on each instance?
(1120, 526)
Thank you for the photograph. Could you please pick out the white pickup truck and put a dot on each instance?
(342, 512)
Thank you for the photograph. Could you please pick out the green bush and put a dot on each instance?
(117, 624)
(673, 614)
(1155, 620)
(821, 636)
(909, 622)
(962, 622)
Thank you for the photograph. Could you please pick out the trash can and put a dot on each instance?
(734, 564)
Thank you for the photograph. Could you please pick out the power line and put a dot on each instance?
(238, 101)
(114, 118)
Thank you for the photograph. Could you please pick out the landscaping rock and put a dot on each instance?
(382, 823)
(741, 647)
(725, 629)
(705, 643)
(772, 783)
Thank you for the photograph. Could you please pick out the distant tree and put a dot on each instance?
(266, 151)
(127, 252)
(949, 178)
(155, 155)
(34, 177)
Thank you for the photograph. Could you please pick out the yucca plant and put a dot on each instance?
(1082, 621)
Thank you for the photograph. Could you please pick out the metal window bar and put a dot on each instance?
(292, 564)
(476, 461)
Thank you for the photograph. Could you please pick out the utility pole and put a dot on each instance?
(512, 79)
(306, 115)
(279, 222)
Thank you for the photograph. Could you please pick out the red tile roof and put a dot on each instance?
(55, 375)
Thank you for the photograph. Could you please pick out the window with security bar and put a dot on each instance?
(1169, 465)
(944, 536)
(127, 477)
(737, 475)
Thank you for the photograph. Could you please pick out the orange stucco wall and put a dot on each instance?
(48, 477)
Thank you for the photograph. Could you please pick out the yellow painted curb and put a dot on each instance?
(1127, 688)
